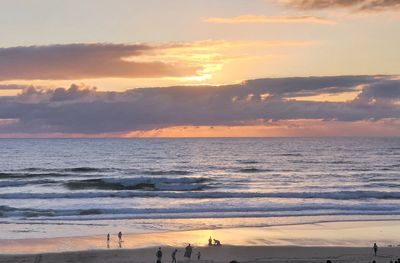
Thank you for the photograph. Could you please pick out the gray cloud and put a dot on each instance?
(83, 61)
(86, 110)
(375, 5)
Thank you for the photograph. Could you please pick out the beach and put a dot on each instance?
(337, 241)
(218, 254)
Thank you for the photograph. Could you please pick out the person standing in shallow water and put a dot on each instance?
(375, 248)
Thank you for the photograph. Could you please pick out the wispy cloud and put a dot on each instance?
(259, 19)
(360, 5)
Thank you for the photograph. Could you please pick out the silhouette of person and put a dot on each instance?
(108, 240)
(159, 255)
(210, 242)
(120, 236)
(375, 248)
(217, 242)
(174, 256)
(188, 251)
(198, 255)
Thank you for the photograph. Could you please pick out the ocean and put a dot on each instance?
(69, 187)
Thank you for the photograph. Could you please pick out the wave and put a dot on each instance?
(248, 161)
(253, 170)
(196, 212)
(340, 195)
(146, 184)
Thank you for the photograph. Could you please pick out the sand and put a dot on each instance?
(217, 254)
(338, 241)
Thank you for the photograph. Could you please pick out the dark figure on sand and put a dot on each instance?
(159, 255)
(217, 242)
(210, 242)
(198, 255)
(188, 251)
(108, 240)
(120, 236)
(375, 248)
(174, 256)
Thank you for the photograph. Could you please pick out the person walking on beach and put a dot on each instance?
(188, 251)
(159, 255)
(120, 236)
(375, 248)
(108, 240)
(174, 256)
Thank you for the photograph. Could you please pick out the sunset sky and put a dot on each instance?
(199, 68)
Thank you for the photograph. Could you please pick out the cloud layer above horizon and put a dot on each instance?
(84, 110)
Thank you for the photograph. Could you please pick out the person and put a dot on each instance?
(108, 240)
(159, 255)
(198, 255)
(120, 236)
(188, 251)
(217, 242)
(174, 256)
(375, 248)
(210, 242)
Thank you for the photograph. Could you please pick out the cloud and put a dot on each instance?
(13, 87)
(360, 5)
(85, 61)
(84, 110)
(257, 19)
(90, 61)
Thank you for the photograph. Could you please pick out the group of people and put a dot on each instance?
(119, 240)
(187, 254)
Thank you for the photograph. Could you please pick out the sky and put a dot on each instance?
(199, 68)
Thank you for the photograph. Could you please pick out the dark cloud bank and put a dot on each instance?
(85, 110)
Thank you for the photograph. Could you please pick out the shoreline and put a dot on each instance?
(329, 234)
